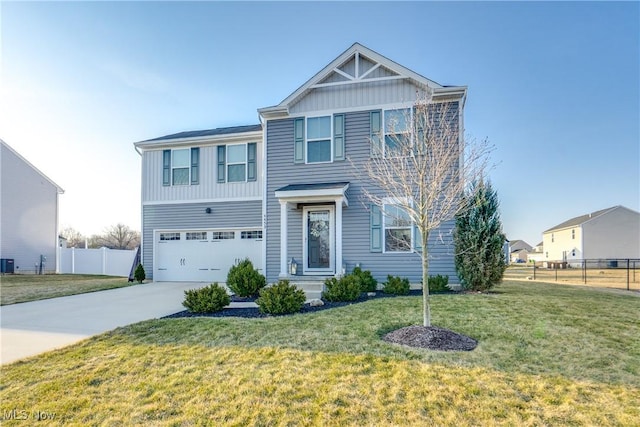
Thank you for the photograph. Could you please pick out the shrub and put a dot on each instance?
(281, 298)
(396, 285)
(139, 273)
(479, 241)
(367, 282)
(206, 300)
(347, 288)
(439, 283)
(244, 280)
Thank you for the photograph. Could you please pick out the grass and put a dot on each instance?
(30, 287)
(547, 355)
(615, 278)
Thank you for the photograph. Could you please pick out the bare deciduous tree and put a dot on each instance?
(117, 236)
(422, 162)
(73, 237)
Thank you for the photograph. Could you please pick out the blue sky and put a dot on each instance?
(554, 86)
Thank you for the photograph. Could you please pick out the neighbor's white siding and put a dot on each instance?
(563, 245)
(615, 234)
(28, 214)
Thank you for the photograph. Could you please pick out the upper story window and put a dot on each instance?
(396, 128)
(319, 139)
(237, 162)
(180, 166)
(573, 234)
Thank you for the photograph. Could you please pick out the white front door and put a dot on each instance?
(318, 240)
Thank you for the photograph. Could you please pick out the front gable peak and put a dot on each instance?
(355, 68)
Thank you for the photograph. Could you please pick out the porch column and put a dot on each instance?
(339, 235)
(283, 239)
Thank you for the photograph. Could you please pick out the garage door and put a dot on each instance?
(204, 255)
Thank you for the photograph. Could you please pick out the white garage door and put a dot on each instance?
(203, 255)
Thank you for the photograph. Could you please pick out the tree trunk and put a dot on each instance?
(426, 308)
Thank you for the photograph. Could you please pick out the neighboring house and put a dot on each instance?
(537, 254)
(288, 190)
(605, 234)
(28, 215)
(519, 251)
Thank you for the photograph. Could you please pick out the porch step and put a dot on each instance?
(312, 287)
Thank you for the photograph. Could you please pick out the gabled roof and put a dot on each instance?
(8, 147)
(208, 132)
(579, 220)
(517, 245)
(198, 135)
(359, 64)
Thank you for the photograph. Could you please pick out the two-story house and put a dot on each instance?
(291, 188)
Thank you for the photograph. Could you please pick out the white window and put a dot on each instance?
(223, 235)
(196, 235)
(180, 163)
(397, 229)
(237, 163)
(396, 128)
(319, 139)
(169, 236)
(253, 234)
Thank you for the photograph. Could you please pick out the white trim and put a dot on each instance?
(284, 231)
(263, 176)
(332, 241)
(306, 138)
(356, 81)
(313, 195)
(200, 201)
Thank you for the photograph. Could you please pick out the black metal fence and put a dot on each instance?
(619, 272)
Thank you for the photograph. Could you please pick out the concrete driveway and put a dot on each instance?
(32, 328)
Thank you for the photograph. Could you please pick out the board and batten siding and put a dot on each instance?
(356, 96)
(193, 217)
(208, 188)
(282, 171)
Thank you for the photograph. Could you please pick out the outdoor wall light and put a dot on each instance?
(208, 210)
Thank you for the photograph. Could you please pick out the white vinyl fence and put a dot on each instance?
(110, 262)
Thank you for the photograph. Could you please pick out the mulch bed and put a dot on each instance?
(252, 312)
(431, 337)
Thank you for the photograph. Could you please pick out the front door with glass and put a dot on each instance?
(318, 240)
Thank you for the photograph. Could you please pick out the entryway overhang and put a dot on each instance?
(309, 194)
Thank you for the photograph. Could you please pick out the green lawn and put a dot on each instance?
(547, 355)
(32, 287)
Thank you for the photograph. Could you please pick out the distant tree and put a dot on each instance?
(117, 236)
(74, 238)
(479, 240)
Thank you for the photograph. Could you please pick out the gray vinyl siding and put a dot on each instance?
(192, 216)
(356, 96)
(282, 171)
(28, 215)
(208, 188)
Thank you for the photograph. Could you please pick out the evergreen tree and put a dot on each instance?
(479, 241)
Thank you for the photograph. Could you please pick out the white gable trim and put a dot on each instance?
(356, 52)
(8, 147)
